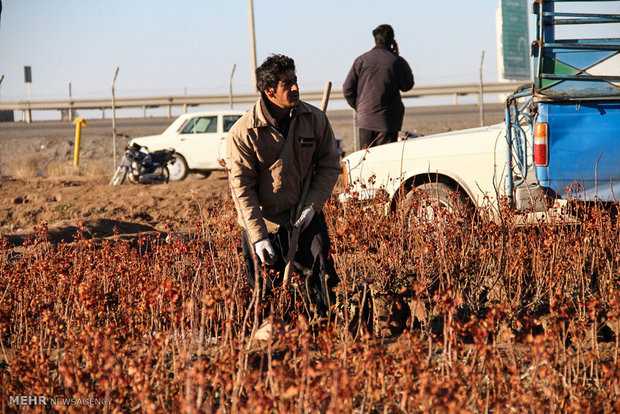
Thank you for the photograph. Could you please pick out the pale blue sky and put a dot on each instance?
(172, 47)
(166, 46)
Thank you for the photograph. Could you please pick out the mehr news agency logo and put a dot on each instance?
(41, 400)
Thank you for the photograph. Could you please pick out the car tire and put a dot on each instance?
(178, 169)
(423, 204)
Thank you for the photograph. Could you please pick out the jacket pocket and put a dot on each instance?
(270, 185)
(306, 142)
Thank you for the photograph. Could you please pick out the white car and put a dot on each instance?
(199, 140)
(470, 163)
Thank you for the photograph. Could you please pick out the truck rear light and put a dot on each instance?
(541, 144)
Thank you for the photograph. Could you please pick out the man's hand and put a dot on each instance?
(265, 251)
(305, 218)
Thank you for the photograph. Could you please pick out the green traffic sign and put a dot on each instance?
(515, 40)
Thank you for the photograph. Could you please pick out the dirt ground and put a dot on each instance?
(39, 184)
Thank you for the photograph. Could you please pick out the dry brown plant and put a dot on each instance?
(86, 168)
(29, 166)
(452, 314)
(37, 165)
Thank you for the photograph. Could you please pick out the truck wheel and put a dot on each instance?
(178, 169)
(431, 202)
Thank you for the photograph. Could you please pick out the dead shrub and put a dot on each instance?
(165, 324)
(28, 166)
(86, 168)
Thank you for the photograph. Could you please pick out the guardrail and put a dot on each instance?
(193, 100)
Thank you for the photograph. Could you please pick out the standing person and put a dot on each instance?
(372, 89)
(269, 152)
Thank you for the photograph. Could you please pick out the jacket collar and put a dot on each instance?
(259, 119)
(381, 47)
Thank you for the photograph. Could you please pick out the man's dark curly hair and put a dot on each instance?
(269, 72)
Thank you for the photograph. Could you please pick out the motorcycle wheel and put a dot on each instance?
(119, 176)
(165, 174)
(162, 174)
(133, 178)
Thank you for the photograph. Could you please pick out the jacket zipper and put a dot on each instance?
(285, 175)
(286, 164)
(284, 168)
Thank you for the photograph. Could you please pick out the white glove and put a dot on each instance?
(305, 218)
(265, 251)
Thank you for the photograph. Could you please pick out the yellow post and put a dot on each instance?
(79, 123)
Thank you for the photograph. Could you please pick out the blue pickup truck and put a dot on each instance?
(572, 111)
(560, 139)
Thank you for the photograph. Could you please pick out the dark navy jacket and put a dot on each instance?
(372, 89)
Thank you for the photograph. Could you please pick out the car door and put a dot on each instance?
(199, 141)
(227, 122)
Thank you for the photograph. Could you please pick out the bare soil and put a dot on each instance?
(39, 184)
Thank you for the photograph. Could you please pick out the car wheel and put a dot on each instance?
(178, 169)
(433, 203)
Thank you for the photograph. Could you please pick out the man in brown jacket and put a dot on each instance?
(269, 152)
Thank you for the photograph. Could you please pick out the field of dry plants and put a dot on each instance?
(134, 299)
(456, 316)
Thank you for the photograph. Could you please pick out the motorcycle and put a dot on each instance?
(140, 166)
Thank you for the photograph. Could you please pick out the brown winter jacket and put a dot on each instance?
(267, 170)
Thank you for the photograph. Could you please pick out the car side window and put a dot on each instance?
(200, 125)
(229, 121)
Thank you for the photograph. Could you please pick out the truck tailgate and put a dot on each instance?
(584, 148)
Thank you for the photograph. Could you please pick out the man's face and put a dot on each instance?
(286, 95)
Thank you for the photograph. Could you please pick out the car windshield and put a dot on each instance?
(200, 125)
(229, 121)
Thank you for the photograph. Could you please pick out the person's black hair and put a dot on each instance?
(269, 72)
(384, 35)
